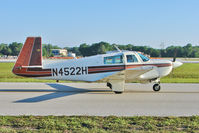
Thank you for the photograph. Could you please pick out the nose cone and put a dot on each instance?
(177, 64)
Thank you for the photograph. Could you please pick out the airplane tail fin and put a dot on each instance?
(30, 54)
(29, 62)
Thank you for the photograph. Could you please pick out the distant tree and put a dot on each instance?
(44, 52)
(195, 52)
(121, 47)
(129, 47)
(180, 51)
(15, 48)
(98, 48)
(102, 47)
(149, 51)
(170, 51)
(85, 49)
(188, 50)
(5, 50)
(74, 50)
(47, 50)
(155, 53)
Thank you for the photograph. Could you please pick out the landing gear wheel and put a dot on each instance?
(109, 85)
(156, 87)
(118, 92)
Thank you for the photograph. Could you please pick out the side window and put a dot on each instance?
(108, 60)
(131, 58)
(118, 59)
(113, 59)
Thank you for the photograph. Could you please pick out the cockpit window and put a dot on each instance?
(113, 59)
(144, 58)
(131, 58)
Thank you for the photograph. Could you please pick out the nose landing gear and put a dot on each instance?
(156, 87)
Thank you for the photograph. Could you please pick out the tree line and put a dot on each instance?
(102, 47)
(84, 49)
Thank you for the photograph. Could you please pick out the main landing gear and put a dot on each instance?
(110, 86)
(117, 87)
(118, 92)
(156, 87)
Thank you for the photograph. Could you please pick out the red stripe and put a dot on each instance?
(98, 69)
(102, 69)
(25, 71)
(158, 65)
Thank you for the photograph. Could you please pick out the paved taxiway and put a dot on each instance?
(97, 99)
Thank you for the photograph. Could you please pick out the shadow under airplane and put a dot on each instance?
(61, 91)
(64, 90)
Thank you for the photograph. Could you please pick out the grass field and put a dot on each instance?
(97, 124)
(187, 73)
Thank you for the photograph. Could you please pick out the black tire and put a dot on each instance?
(156, 87)
(109, 85)
(118, 92)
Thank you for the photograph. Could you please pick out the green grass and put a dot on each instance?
(98, 124)
(187, 73)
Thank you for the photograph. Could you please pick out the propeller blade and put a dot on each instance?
(174, 56)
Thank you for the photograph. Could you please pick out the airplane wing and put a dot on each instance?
(131, 74)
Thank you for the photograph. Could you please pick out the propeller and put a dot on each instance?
(174, 56)
(176, 63)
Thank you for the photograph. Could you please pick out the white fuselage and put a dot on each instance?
(97, 67)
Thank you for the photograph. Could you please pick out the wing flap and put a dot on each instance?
(128, 74)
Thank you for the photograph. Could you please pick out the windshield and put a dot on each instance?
(144, 58)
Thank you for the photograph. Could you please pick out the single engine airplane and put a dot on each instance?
(114, 68)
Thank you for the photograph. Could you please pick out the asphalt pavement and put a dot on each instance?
(98, 100)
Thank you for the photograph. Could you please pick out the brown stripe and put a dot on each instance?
(102, 69)
(28, 75)
(38, 69)
(106, 66)
(105, 71)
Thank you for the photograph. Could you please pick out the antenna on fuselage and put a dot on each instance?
(117, 48)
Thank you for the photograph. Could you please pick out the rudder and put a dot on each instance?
(29, 62)
(26, 56)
